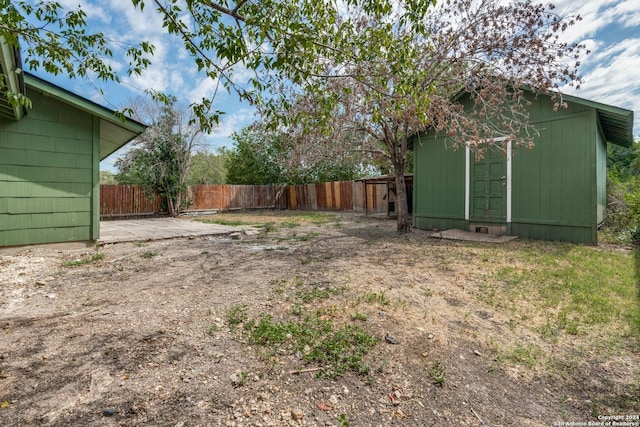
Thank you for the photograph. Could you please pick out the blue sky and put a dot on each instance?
(610, 28)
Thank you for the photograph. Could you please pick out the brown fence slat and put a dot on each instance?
(360, 196)
(118, 201)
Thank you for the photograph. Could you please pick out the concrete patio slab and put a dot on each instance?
(455, 234)
(157, 229)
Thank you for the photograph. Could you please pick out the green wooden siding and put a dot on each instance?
(439, 173)
(48, 174)
(601, 176)
(552, 183)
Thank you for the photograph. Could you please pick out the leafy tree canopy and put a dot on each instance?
(290, 39)
(160, 158)
(624, 162)
(263, 156)
(206, 168)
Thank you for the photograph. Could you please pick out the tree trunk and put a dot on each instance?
(404, 221)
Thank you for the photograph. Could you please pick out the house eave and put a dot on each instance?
(115, 131)
(13, 81)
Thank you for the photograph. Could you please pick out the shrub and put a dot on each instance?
(622, 216)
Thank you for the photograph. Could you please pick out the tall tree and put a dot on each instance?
(253, 159)
(160, 158)
(206, 168)
(404, 75)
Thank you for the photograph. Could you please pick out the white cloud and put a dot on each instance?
(233, 122)
(93, 11)
(613, 76)
(207, 88)
(594, 14)
(139, 24)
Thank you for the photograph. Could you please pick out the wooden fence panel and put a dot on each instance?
(376, 198)
(358, 196)
(210, 197)
(128, 200)
(118, 201)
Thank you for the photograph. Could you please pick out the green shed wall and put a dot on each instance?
(601, 176)
(439, 174)
(49, 175)
(556, 186)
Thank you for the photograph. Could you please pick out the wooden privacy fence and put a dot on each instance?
(117, 201)
(231, 197)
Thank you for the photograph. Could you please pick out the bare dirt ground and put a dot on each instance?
(144, 335)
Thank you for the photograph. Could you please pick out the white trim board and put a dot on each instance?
(467, 178)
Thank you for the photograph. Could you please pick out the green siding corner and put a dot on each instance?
(95, 180)
(48, 174)
(601, 177)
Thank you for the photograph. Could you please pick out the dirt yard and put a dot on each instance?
(209, 332)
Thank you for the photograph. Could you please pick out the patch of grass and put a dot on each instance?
(300, 238)
(308, 295)
(334, 349)
(212, 329)
(81, 261)
(579, 288)
(317, 218)
(236, 315)
(437, 374)
(528, 355)
(373, 298)
(359, 316)
(148, 254)
(266, 227)
(224, 221)
(289, 224)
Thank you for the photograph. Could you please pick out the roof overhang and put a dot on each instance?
(115, 130)
(616, 123)
(12, 80)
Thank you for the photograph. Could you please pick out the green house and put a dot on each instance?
(555, 191)
(50, 159)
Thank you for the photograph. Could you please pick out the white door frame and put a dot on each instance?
(467, 178)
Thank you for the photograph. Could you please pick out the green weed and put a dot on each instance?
(373, 298)
(148, 254)
(359, 316)
(437, 374)
(81, 261)
(529, 355)
(336, 350)
(236, 315)
(308, 295)
(342, 419)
